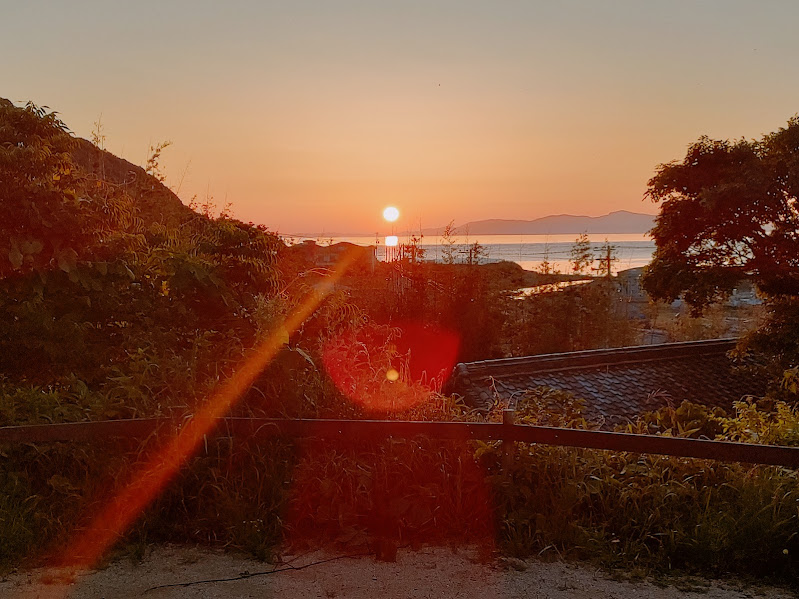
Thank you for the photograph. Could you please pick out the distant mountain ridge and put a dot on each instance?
(621, 221)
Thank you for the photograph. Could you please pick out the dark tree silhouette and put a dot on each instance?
(730, 210)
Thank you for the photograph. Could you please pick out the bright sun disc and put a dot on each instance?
(391, 214)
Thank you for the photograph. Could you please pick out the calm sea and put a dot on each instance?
(631, 250)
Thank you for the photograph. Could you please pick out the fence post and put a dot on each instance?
(508, 446)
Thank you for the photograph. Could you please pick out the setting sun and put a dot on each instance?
(391, 214)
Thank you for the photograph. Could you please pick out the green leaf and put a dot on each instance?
(67, 259)
(15, 256)
(32, 247)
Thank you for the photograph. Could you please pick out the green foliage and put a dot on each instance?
(473, 303)
(18, 516)
(648, 511)
(544, 406)
(624, 510)
(777, 339)
(179, 292)
(228, 494)
(766, 420)
(468, 300)
(407, 491)
(687, 420)
(790, 380)
(718, 207)
(652, 511)
(729, 210)
(146, 315)
(44, 214)
(570, 319)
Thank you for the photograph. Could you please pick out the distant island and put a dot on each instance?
(621, 221)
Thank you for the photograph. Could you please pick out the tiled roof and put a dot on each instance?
(616, 384)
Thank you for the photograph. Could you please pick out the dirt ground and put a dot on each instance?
(172, 572)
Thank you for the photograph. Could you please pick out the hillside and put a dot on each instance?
(621, 221)
(155, 201)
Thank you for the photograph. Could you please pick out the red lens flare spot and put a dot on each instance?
(432, 352)
(390, 369)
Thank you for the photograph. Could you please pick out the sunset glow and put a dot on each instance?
(310, 118)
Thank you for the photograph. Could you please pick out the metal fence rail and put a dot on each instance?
(380, 429)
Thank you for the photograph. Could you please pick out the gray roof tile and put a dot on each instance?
(617, 384)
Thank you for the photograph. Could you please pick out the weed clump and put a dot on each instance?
(655, 512)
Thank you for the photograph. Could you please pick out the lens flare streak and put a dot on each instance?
(146, 484)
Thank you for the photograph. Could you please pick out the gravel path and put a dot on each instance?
(428, 572)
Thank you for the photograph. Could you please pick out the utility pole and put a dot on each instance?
(606, 261)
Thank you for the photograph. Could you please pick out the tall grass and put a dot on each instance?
(621, 509)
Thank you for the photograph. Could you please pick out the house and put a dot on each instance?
(629, 285)
(628, 282)
(616, 384)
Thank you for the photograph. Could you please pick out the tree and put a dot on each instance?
(570, 319)
(728, 210)
(731, 210)
(448, 244)
(412, 252)
(475, 252)
(580, 254)
(545, 268)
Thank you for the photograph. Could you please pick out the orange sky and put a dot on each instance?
(311, 117)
